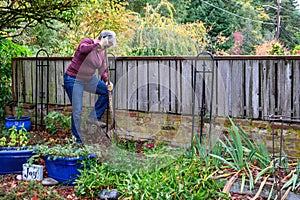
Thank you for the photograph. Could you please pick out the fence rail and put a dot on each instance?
(243, 86)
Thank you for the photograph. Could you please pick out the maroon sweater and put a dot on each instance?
(86, 60)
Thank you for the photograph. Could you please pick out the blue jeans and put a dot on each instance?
(74, 89)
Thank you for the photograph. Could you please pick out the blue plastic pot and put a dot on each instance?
(12, 121)
(64, 170)
(13, 158)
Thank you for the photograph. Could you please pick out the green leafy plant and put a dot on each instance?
(277, 49)
(294, 181)
(55, 120)
(158, 33)
(296, 50)
(71, 149)
(8, 50)
(185, 178)
(240, 151)
(19, 111)
(16, 138)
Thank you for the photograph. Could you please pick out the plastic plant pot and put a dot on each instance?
(12, 121)
(63, 169)
(13, 158)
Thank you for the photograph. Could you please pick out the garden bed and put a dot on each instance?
(156, 166)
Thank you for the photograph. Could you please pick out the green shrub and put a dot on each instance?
(8, 50)
(296, 50)
(277, 49)
(55, 120)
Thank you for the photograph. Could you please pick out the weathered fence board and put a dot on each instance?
(164, 87)
(173, 86)
(224, 88)
(296, 88)
(246, 86)
(121, 97)
(132, 85)
(186, 86)
(236, 97)
(142, 95)
(285, 94)
(251, 87)
(153, 86)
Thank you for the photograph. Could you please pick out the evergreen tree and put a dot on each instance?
(217, 21)
(289, 23)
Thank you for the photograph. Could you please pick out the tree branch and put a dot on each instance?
(18, 15)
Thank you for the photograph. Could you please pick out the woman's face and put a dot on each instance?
(111, 41)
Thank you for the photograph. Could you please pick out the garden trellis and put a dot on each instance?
(206, 72)
(41, 89)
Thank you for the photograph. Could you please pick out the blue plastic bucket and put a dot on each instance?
(64, 170)
(12, 121)
(13, 158)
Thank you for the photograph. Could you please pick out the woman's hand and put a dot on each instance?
(110, 86)
(104, 44)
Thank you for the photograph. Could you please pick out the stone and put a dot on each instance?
(49, 181)
(106, 195)
(19, 177)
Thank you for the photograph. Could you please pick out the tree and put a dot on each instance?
(290, 24)
(55, 40)
(181, 7)
(289, 21)
(218, 22)
(92, 17)
(18, 15)
(159, 34)
(249, 19)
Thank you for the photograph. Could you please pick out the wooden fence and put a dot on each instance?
(241, 86)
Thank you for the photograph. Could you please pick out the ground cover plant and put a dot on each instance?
(197, 174)
(182, 179)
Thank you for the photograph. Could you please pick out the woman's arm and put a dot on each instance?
(87, 45)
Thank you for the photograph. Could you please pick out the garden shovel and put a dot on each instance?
(111, 108)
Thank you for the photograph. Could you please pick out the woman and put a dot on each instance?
(80, 76)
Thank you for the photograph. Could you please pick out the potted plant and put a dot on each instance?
(14, 151)
(62, 161)
(18, 120)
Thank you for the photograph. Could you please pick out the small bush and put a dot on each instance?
(296, 50)
(272, 47)
(55, 121)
